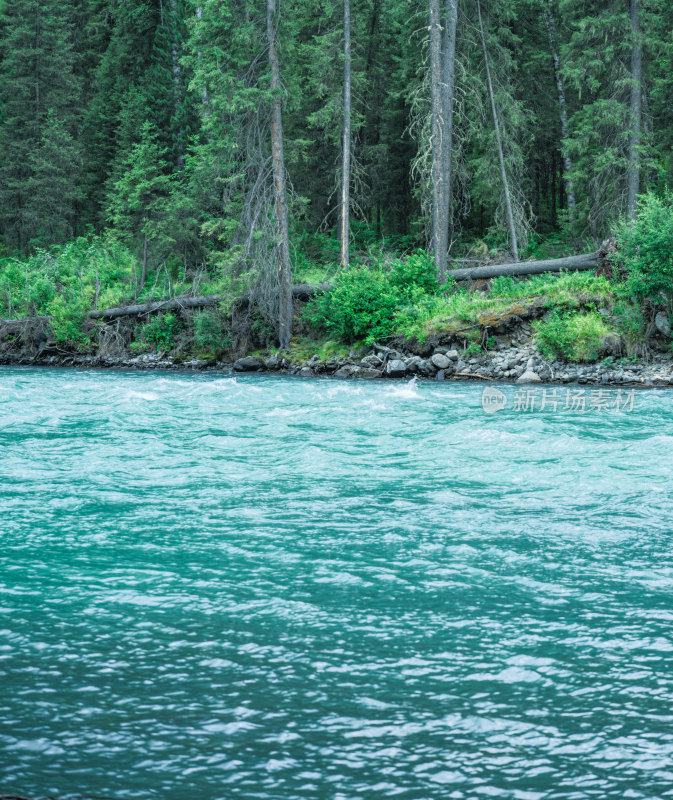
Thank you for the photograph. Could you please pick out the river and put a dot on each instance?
(266, 587)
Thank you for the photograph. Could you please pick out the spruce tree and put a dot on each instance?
(40, 97)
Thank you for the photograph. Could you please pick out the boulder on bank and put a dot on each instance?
(248, 364)
(662, 324)
(396, 368)
(529, 377)
(440, 361)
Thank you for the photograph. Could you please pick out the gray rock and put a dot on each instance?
(529, 377)
(371, 361)
(344, 372)
(274, 361)
(662, 324)
(306, 372)
(440, 361)
(440, 375)
(426, 368)
(413, 363)
(248, 364)
(396, 368)
(366, 372)
(454, 355)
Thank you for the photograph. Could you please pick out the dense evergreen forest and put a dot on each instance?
(246, 145)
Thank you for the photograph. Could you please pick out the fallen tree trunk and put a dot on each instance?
(300, 291)
(571, 263)
(159, 305)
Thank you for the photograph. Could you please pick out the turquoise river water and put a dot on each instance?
(265, 587)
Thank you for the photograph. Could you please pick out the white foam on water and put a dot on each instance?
(406, 391)
(133, 395)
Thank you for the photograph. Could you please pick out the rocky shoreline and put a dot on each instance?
(509, 362)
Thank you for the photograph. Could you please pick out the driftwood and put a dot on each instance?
(572, 263)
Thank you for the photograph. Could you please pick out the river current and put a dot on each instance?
(264, 587)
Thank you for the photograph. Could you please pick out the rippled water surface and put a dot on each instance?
(274, 588)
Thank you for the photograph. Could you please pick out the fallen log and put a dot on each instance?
(300, 291)
(160, 305)
(571, 263)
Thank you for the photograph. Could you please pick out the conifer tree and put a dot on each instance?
(40, 97)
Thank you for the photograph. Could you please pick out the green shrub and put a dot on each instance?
(160, 331)
(67, 322)
(209, 333)
(361, 305)
(414, 271)
(263, 333)
(573, 336)
(630, 322)
(646, 247)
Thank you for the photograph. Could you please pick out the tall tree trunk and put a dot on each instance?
(498, 139)
(280, 190)
(177, 84)
(143, 275)
(436, 98)
(633, 177)
(448, 92)
(550, 24)
(344, 232)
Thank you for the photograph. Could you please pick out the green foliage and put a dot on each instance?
(85, 272)
(210, 335)
(568, 288)
(160, 331)
(628, 319)
(361, 305)
(414, 271)
(574, 336)
(646, 247)
(66, 322)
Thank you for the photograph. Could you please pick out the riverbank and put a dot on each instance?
(514, 361)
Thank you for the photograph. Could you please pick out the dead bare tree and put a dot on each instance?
(633, 176)
(344, 232)
(280, 190)
(550, 24)
(498, 140)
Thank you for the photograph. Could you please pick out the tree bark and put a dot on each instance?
(448, 93)
(550, 24)
(498, 139)
(436, 136)
(143, 275)
(346, 150)
(177, 83)
(571, 263)
(280, 189)
(633, 176)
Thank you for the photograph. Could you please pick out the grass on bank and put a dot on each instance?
(382, 295)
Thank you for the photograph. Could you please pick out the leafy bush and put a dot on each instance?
(160, 331)
(630, 322)
(573, 336)
(414, 270)
(361, 305)
(209, 333)
(646, 247)
(67, 322)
